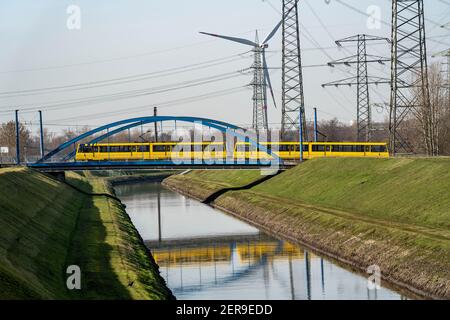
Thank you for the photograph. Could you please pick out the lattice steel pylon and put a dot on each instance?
(292, 79)
(410, 95)
(364, 113)
(362, 81)
(446, 72)
(259, 90)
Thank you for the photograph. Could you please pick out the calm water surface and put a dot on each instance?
(206, 254)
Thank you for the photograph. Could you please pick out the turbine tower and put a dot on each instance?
(261, 77)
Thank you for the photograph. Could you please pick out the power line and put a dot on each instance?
(125, 79)
(134, 93)
(162, 105)
(383, 21)
(107, 60)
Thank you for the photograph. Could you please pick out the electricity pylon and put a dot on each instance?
(446, 72)
(362, 80)
(292, 75)
(410, 93)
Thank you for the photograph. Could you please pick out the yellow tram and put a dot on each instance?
(217, 151)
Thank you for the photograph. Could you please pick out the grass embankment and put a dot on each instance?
(47, 226)
(394, 213)
(201, 184)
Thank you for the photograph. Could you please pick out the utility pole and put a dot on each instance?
(41, 131)
(410, 93)
(300, 120)
(17, 137)
(362, 80)
(292, 77)
(259, 90)
(155, 114)
(316, 133)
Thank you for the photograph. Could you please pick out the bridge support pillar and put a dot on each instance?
(58, 175)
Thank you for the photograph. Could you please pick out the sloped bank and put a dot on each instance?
(393, 213)
(47, 226)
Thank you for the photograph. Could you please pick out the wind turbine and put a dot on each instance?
(261, 76)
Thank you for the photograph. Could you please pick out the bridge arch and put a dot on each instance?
(223, 127)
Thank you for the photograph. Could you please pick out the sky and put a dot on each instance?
(132, 55)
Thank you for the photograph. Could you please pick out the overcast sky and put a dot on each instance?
(120, 39)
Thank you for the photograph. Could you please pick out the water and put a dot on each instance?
(206, 254)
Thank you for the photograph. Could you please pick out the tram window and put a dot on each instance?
(160, 148)
(342, 148)
(358, 148)
(86, 149)
(268, 147)
(284, 148)
(243, 148)
(347, 149)
(318, 148)
(125, 149)
(297, 148)
(378, 148)
(114, 149)
(143, 149)
(262, 148)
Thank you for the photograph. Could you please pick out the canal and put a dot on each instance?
(206, 254)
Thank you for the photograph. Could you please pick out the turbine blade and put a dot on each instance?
(274, 31)
(267, 78)
(238, 40)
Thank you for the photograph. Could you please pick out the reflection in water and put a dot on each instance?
(205, 254)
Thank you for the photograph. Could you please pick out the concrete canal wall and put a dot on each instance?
(394, 213)
(46, 226)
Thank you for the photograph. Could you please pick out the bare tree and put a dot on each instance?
(8, 138)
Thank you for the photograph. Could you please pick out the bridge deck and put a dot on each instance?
(152, 165)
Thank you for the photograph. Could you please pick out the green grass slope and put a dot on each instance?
(45, 226)
(204, 183)
(415, 191)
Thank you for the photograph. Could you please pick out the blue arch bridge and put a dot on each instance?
(67, 162)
